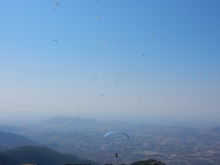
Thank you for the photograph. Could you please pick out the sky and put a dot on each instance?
(96, 68)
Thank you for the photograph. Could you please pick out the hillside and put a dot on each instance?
(11, 140)
(11, 128)
(8, 160)
(148, 162)
(2, 147)
(43, 155)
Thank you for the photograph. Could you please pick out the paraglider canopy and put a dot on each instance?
(152, 34)
(98, 18)
(116, 132)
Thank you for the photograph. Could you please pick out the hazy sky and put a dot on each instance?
(177, 78)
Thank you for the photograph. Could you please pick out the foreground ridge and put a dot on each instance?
(148, 162)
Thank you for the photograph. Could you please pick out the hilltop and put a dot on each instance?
(148, 162)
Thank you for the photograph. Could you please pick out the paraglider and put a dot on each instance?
(101, 95)
(152, 34)
(116, 132)
(54, 41)
(55, 5)
(117, 81)
(143, 55)
(100, 45)
(94, 78)
(98, 18)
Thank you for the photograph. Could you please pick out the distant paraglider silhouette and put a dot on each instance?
(54, 41)
(55, 5)
(94, 78)
(101, 95)
(98, 17)
(152, 34)
(117, 81)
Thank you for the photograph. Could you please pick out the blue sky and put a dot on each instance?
(177, 78)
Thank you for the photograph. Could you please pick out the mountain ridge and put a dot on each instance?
(42, 155)
(11, 140)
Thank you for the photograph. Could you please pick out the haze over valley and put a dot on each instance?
(85, 138)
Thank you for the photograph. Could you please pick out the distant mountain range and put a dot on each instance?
(70, 124)
(39, 155)
(69, 120)
(77, 124)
